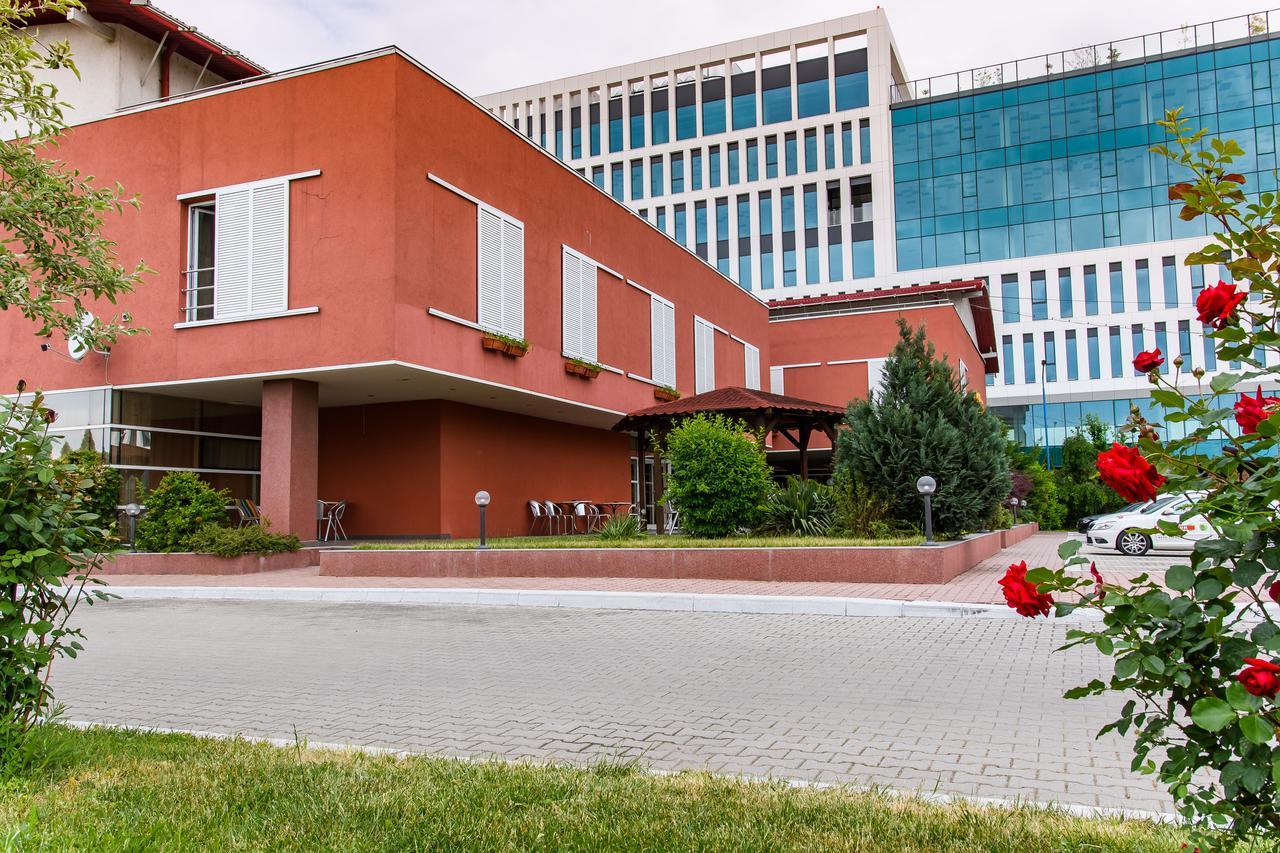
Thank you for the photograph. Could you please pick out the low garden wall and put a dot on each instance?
(896, 564)
(145, 563)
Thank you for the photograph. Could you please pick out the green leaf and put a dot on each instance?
(1068, 549)
(1039, 575)
(1105, 645)
(1212, 714)
(1127, 667)
(1179, 578)
(1257, 729)
(1151, 663)
(1168, 399)
(1224, 381)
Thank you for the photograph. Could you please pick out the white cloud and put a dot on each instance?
(488, 45)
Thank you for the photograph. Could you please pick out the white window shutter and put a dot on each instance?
(657, 342)
(669, 344)
(752, 356)
(571, 307)
(269, 261)
(512, 279)
(588, 279)
(704, 343)
(875, 375)
(489, 271)
(775, 380)
(233, 252)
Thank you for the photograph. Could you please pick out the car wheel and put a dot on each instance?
(1133, 543)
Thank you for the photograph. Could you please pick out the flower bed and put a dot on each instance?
(850, 564)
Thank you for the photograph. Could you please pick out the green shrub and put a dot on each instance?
(1039, 487)
(620, 528)
(176, 509)
(860, 513)
(237, 541)
(1001, 519)
(50, 548)
(920, 421)
(719, 476)
(102, 493)
(800, 507)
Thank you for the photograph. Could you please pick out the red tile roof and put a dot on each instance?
(729, 400)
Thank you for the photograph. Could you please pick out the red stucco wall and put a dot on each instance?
(414, 468)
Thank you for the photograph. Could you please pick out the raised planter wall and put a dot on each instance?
(916, 564)
(207, 564)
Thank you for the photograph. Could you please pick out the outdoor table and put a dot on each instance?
(616, 508)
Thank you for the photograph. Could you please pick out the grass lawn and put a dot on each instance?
(112, 790)
(594, 541)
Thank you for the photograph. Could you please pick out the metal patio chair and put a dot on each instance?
(248, 512)
(555, 518)
(538, 515)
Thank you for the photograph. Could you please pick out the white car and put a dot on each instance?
(1135, 533)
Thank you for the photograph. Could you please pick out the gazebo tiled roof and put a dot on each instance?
(739, 402)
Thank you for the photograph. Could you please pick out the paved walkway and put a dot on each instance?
(978, 585)
(969, 707)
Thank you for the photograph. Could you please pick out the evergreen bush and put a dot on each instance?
(920, 421)
(176, 510)
(236, 541)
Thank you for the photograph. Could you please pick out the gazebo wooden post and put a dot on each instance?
(659, 509)
(642, 504)
(805, 430)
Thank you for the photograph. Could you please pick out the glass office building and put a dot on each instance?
(820, 167)
(1064, 164)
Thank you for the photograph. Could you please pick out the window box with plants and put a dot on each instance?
(582, 368)
(505, 344)
(665, 394)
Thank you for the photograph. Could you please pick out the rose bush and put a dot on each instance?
(1196, 649)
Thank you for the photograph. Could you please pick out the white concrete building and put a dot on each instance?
(129, 52)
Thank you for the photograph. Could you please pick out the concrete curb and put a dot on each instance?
(1076, 809)
(593, 600)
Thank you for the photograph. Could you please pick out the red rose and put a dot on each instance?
(1128, 473)
(1097, 579)
(1274, 592)
(1251, 411)
(1022, 595)
(1259, 677)
(1148, 361)
(1217, 305)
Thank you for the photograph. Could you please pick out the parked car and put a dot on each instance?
(1135, 533)
(1082, 526)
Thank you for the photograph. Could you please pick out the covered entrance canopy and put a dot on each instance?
(791, 417)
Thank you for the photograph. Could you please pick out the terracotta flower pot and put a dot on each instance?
(663, 395)
(498, 345)
(584, 371)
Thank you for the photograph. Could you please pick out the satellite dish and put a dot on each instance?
(76, 346)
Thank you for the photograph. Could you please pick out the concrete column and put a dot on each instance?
(290, 455)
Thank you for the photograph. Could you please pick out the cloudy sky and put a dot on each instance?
(489, 45)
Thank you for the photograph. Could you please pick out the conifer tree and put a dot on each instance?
(920, 421)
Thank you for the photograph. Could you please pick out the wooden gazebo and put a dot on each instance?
(791, 417)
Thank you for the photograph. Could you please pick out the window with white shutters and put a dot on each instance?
(237, 264)
(776, 383)
(579, 277)
(662, 341)
(704, 355)
(752, 357)
(499, 272)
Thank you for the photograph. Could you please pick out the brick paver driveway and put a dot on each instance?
(969, 707)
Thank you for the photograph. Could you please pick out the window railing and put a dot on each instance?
(1254, 26)
(197, 295)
